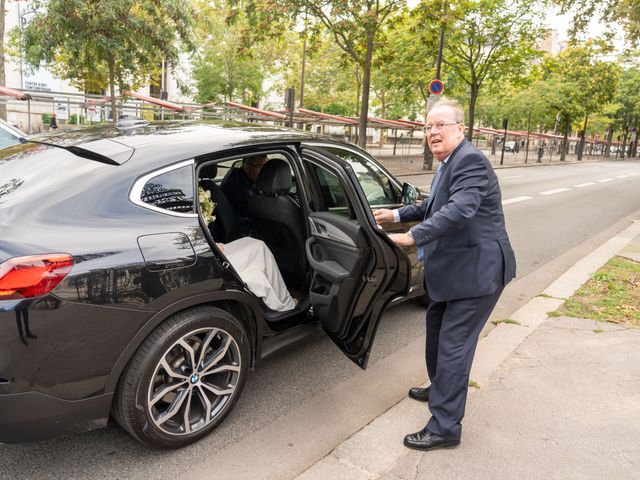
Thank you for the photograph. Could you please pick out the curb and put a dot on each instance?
(377, 448)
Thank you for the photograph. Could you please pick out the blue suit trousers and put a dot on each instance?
(453, 329)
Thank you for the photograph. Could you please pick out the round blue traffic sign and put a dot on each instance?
(436, 87)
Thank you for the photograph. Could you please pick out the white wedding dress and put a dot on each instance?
(255, 264)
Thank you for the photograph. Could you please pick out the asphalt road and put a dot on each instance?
(551, 212)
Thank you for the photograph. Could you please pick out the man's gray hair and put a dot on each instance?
(452, 104)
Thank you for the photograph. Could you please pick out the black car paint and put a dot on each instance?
(92, 323)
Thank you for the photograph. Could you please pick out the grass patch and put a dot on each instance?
(611, 295)
(598, 330)
(544, 295)
(474, 384)
(506, 320)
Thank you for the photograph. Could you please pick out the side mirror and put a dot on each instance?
(409, 194)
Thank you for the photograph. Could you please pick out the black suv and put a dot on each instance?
(115, 298)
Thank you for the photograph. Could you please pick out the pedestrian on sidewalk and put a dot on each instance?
(468, 260)
(53, 123)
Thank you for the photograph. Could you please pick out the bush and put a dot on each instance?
(76, 120)
(46, 118)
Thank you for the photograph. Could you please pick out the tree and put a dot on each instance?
(356, 26)
(585, 83)
(110, 43)
(627, 103)
(223, 69)
(331, 78)
(616, 13)
(490, 40)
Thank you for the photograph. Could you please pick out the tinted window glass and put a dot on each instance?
(375, 183)
(171, 191)
(333, 194)
(7, 138)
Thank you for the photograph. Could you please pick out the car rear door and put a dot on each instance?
(357, 270)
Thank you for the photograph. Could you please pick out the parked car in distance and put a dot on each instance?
(509, 146)
(116, 300)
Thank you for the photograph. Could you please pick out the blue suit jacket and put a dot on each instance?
(467, 250)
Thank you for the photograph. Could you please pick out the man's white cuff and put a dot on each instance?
(396, 216)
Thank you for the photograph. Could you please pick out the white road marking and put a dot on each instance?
(622, 176)
(581, 185)
(603, 180)
(516, 200)
(512, 176)
(557, 190)
(632, 174)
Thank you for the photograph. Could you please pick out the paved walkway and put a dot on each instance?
(558, 398)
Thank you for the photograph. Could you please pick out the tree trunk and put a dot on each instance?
(366, 82)
(583, 139)
(304, 62)
(112, 88)
(3, 81)
(565, 140)
(472, 110)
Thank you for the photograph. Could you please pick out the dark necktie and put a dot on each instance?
(434, 186)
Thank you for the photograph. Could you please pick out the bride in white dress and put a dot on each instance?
(255, 264)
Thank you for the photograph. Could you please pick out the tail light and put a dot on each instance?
(33, 275)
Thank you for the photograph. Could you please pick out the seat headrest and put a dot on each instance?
(275, 177)
(209, 171)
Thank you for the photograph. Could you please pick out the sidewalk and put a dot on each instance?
(402, 164)
(558, 398)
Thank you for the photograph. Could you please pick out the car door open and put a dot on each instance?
(357, 270)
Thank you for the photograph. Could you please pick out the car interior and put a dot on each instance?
(275, 217)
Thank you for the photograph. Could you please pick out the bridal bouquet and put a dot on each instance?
(207, 205)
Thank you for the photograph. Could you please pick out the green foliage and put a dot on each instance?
(106, 43)
(76, 120)
(615, 13)
(612, 294)
(46, 118)
(491, 40)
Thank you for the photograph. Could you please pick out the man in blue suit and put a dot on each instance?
(467, 262)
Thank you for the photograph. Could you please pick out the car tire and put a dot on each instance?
(184, 379)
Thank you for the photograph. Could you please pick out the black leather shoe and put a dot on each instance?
(425, 440)
(419, 393)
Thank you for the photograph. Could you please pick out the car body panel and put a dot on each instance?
(135, 266)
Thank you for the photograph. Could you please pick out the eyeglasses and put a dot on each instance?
(438, 126)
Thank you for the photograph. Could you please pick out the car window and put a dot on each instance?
(171, 191)
(376, 184)
(7, 138)
(334, 196)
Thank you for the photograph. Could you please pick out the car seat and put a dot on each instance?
(226, 227)
(278, 221)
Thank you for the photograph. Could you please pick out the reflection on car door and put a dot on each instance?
(357, 270)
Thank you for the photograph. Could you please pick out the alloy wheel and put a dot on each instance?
(194, 381)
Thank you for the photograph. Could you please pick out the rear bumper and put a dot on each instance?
(30, 416)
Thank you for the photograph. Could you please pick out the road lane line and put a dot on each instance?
(516, 200)
(632, 174)
(622, 176)
(553, 192)
(512, 176)
(603, 180)
(581, 185)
